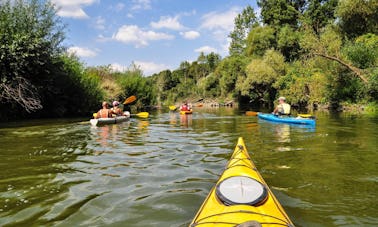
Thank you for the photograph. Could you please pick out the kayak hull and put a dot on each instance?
(186, 112)
(288, 120)
(113, 120)
(266, 210)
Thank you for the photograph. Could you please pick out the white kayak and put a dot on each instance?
(110, 120)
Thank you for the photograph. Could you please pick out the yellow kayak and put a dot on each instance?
(241, 197)
(186, 111)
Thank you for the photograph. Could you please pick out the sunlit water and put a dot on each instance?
(158, 171)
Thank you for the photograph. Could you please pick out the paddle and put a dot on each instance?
(129, 100)
(172, 107)
(251, 113)
(141, 114)
(306, 116)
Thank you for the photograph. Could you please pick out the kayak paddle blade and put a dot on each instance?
(129, 100)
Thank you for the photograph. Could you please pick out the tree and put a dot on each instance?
(357, 17)
(319, 13)
(228, 72)
(277, 13)
(31, 36)
(261, 76)
(243, 22)
(259, 40)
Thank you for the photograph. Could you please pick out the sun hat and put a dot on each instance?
(115, 103)
(281, 98)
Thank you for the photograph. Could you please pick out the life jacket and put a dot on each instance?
(104, 113)
(284, 109)
(184, 108)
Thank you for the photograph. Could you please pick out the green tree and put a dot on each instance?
(259, 40)
(31, 36)
(288, 42)
(319, 13)
(277, 13)
(261, 76)
(357, 17)
(244, 22)
(228, 71)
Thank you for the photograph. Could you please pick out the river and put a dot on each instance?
(158, 171)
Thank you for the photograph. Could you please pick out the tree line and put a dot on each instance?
(311, 51)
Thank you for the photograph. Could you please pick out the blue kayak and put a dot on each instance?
(286, 119)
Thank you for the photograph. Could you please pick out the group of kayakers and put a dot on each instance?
(282, 108)
(107, 112)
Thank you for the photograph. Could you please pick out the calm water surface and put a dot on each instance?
(158, 171)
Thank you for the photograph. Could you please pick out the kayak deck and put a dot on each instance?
(260, 208)
(286, 119)
(105, 121)
(186, 112)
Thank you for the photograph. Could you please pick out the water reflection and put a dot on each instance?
(158, 171)
(186, 120)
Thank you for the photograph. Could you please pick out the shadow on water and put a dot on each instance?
(157, 171)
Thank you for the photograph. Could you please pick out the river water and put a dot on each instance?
(158, 171)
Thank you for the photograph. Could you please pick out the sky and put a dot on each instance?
(154, 34)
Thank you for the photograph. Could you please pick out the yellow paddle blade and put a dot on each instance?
(251, 113)
(172, 107)
(129, 100)
(305, 115)
(94, 115)
(142, 114)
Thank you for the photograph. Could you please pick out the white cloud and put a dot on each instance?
(100, 23)
(190, 34)
(82, 52)
(206, 49)
(72, 8)
(168, 22)
(141, 4)
(220, 20)
(149, 68)
(133, 34)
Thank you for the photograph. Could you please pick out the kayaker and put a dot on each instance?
(105, 112)
(282, 108)
(116, 110)
(185, 106)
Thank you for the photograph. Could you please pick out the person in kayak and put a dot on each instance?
(185, 106)
(282, 108)
(116, 110)
(105, 112)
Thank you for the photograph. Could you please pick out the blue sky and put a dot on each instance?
(154, 34)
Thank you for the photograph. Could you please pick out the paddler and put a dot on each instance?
(105, 112)
(282, 108)
(185, 106)
(116, 110)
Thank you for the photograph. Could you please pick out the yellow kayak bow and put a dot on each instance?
(241, 197)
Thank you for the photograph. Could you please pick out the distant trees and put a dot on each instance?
(311, 51)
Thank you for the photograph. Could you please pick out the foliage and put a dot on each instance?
(320, 13)
(260, 39)
(244, 23)
(30, 35)
(357, 17)
(261, 75)
(277, 13)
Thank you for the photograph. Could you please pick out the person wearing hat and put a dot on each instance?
(185, 106)
(116, 110)
(105, 112)
(282, 108)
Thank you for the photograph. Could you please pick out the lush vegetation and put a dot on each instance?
(311, 51)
